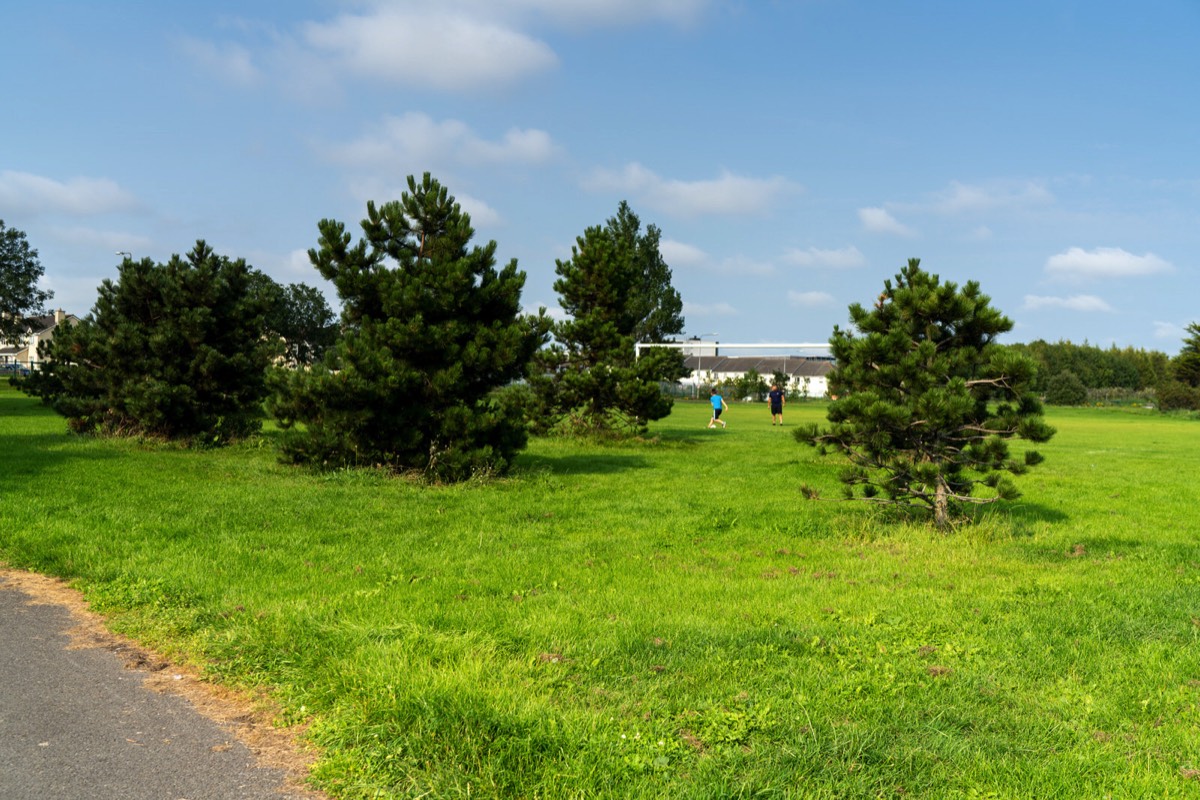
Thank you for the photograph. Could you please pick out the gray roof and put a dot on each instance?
(795, 366)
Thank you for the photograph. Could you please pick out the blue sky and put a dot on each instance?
(793, 154)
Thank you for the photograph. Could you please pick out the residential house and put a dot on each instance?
(24, 351)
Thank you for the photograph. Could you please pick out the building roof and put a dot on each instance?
(794, 366)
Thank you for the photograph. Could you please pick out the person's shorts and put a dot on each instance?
(776, 409)
(716, 413)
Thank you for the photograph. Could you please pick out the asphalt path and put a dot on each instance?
(77, 724)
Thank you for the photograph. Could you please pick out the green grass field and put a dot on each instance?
(664, 619)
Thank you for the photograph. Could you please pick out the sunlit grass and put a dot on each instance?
(666, 618)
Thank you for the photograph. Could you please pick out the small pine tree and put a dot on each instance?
(430, 330)
(927, 400)
(171, 350)
(616, 287)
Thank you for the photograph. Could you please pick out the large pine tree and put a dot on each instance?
(430, 329)
(616, 289)
(172, 350)
(927, 400)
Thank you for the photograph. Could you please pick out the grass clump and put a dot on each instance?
(668, 618)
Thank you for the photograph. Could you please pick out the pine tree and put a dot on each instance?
(170, 350)
(927, 400)
(616, 288)
(430, 329)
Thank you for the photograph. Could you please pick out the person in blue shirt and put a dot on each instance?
(718, 405)
(777, 397)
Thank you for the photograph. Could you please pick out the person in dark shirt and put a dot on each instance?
(777, 398)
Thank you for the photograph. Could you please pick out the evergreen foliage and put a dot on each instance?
(616, 287)
(430, 330)
(1186, 366)
(1128, 368)
(169, 350)
(1180, 388)
(20, 270)
(1066, 389)
(926, 400)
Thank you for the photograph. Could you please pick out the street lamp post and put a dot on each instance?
(700, 359)
(126, 254)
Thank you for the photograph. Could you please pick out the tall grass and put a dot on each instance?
(665, 618)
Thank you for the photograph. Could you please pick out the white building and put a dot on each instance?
(807, 375)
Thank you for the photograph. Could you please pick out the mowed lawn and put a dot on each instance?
(666, 618)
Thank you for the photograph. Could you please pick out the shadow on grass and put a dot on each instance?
(581, 464)
(26, 456)
(1034, 512)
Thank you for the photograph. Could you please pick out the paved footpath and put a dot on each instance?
(76, 724)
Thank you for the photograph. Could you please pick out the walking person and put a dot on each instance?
(718, 405)
(777, 398)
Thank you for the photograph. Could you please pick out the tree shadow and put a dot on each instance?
(28, 456)
(1034, 512)
(580, 464)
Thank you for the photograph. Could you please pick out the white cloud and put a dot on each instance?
(417, 138)
(1078, 302)
(878, 220)
(1169, 330)
(104, 241)
(553, 311)
(33, 194)
(810, 299)
(579, 13)
(724, 195)
(482, 215)
(962, 198)
(232, 62)
(845, 258)
(436, 47)
(678, 254)
(1105, 262)
(708, 310)
(741, 266)
(448, 45)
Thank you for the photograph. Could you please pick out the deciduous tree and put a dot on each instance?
(927, 400)
(20, 271)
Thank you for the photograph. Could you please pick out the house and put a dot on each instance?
(807, 375)
(24, 351)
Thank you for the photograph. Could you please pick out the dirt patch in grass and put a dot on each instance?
(249, 718)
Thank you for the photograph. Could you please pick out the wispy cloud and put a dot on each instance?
(959, 198)
(810, 299)
(104, 240)
(727, 194)
(844, 258)
(230, 61)
(1105, 262)
(1169, 330)
(26, 193)
(1078, 302)
(708, 310)
(416, 138)
(679, 254)
(879, 220)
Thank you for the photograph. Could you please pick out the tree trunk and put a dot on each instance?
(941, 506)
